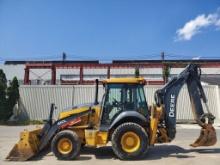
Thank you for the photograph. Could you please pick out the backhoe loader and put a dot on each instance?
(122, 118)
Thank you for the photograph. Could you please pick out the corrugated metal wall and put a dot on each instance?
(184, 112)
(37, 99)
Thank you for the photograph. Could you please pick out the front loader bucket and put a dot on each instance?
(27, 147)
(207, 137)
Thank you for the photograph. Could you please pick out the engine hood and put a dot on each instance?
(75, 110)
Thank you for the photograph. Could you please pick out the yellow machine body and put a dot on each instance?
(87, 128)
(28, 144)
(91, 137)
(125, 80)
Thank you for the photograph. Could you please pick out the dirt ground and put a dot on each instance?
(177, 152)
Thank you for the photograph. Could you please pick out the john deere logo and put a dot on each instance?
(172, 105)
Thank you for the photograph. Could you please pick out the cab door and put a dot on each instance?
(119, 98)
(112, 104)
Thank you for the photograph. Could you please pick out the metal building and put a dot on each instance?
(85, 72)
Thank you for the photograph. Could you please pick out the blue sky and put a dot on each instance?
(109, 29)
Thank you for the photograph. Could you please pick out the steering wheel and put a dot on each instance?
(115, 102)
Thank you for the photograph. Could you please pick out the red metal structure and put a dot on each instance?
(108, 66)
(81, 67)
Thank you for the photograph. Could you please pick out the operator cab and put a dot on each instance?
(122, 95)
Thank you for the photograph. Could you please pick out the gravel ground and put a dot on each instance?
(177, 152)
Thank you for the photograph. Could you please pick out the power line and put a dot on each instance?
(150, 56)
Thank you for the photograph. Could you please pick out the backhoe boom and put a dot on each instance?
(167, 97)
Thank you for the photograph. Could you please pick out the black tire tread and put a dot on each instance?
(75, 140)
(116, 147)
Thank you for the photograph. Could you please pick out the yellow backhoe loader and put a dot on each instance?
(122, 118)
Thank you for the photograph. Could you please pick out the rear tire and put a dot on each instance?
(66, 145)
(129, 141)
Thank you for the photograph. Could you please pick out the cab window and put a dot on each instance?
(113, 102)
(123, 97)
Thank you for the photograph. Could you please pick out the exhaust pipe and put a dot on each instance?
(52, 107)
(96, 91)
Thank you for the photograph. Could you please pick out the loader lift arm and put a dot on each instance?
(167, 97)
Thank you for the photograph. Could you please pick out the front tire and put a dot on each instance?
(129, 141)
(66, 145)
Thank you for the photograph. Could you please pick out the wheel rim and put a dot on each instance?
(130, 142)
(64, 146)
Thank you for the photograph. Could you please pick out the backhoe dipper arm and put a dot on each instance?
(167, 97)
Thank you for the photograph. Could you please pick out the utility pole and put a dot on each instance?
(165, 68)
(64, 57)
(162, 56)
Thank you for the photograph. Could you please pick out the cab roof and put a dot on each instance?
(124, 80)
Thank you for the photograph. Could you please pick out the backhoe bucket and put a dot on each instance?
(27, 147)
(207, 137)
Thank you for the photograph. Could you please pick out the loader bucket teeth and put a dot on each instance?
(207, 137)
(27, 147)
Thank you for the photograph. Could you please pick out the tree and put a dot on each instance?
(3, 79)
(3, 100)
(137, 72)
(166, 73)
(12, 96)
(8, 96)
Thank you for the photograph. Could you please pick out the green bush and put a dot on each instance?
(13, 96)
(8, 96)
(3, 100)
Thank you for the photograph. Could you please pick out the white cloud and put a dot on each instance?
(194, 26)
(218, 23)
